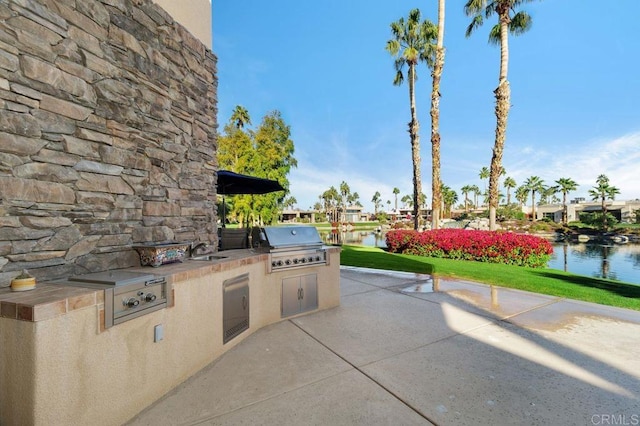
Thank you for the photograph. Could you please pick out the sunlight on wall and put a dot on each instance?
(194, 15)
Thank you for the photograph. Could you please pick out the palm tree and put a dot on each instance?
(449, 198)
(534, 184)
(476, 192)
(484, 174)
(407, 200)
(396, 191)
(508, 22)
(345, 193)
(565, 185)
(330, 197)
(548, 194)
(603, 191)
(354, 199)
(376, 202)
(509, 183)
(240, 116)
(412, 42)
(466, 190)
(436, 75)
(522, 193)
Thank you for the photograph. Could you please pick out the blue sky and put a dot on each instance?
(575, 93)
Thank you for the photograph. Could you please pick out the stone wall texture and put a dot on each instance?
(107, 135)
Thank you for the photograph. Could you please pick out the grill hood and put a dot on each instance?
(286, 237)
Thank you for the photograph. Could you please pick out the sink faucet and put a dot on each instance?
(195, 247)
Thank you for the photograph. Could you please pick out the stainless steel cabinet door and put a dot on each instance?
(308, 292)
(299, 294)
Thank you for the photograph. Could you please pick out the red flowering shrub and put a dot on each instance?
(483, 246)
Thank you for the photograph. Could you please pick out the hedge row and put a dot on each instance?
(483, 246)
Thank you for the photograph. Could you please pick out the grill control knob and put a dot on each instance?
(295, 261)
(132, 302)
(310, 258)
(317, 258)
(287, 262)
(274, 263)
(303, 260)
(279, 262)
(150, 297)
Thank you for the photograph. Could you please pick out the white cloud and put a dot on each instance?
(618, 158)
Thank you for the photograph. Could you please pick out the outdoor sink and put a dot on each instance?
(208, 257)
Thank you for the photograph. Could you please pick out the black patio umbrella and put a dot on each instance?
(230, 183)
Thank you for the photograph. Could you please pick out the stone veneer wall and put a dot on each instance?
(107, 135)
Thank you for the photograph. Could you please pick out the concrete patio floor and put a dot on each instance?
(465, 354)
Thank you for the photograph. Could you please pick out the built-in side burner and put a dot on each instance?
(127, 294)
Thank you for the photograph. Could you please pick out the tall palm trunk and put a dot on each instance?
(565, 212)
(604, 212)
(436, 184)
(533, 205)
(414, 126)
(503, 94)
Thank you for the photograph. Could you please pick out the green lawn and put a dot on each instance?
(545, 281)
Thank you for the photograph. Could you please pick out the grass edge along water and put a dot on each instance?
(551, 282)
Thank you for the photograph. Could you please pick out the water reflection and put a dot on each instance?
(612, 261)
(362, 238)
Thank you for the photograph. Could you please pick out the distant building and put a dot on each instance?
(306, 216)
(623, 211)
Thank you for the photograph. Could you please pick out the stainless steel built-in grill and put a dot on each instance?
(127, 295)
(290, 246)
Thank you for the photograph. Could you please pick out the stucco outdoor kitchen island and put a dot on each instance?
(60, 365)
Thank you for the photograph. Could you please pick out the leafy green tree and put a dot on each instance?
(407, 200)
(266, 153)
(412, 43)
(509, 184)
(240, 117)
(566, 185)
(235, 148)
(436, 76)
(274, 160)
(509, 22)
(603, 191)
(534, 184)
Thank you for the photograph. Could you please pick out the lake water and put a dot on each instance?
(617, 262)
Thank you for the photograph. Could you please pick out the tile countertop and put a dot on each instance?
(51, 300)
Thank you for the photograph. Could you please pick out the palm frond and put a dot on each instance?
(495, 35)
(491, 8)
(393, 47)
(476, 23)
(520, 23)
(399, 79)
(474, 7)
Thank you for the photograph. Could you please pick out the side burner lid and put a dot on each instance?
(114, 278)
